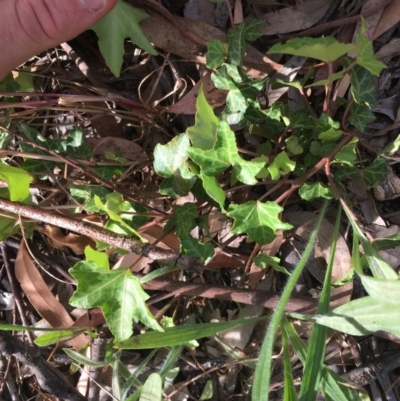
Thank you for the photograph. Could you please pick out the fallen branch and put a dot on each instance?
(49, 378)
(127, 243)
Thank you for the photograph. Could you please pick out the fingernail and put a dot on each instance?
(93, 5)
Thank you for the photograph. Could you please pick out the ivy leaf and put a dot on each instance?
(114, 207)
(222, 80)
(185, 221)
(213, 189)
(326, 49)
(263, 260)
(281, 165)
(258, 220)
(365, 54)
(316, 190)
(117, 293)
(293, 146)
(216, 53)
(321, 149)
(393, 147)
(18, 181)
(372, 174)
(170, 162)
(347, 155)
(203, 133)
(224, 155)
(362, 84)
(250, 30)
(112, 30)
(360, 116)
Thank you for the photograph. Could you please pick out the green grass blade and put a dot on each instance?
(263, 369)
(290, 391)
(331, 384)
(178, 335)
(316, 347)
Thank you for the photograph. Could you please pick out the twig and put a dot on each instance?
(124, 242)
(11, 278)
(267, 299)
(48, 377)
(317, 30)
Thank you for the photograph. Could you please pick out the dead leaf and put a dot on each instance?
(286, 20)
(42, 299)
(127, 149)
(390, 17)
(187, 105)
(304, 223)
(167, 37)
(77, 243)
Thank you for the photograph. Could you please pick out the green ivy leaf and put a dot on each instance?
(372, 174)
(281, 165)
(326, 49)
(203, 133)
(362, 85)
(216, 53)
(293, 146)
(348, 154)
(117, 293)
(121, 23)
(222, 80)
(330, 135)
(360, 116)
(18, 181)
(316, 190)
(224, 155)
(119, 222)
(213, 189)
(170, 162)
(263, 260)
(365, 53)
(250, 30)
(321, 149)
(258, 220)
(393, 147)
(185, 221)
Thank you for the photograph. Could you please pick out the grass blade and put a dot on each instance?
(263, 369)
(316, 347)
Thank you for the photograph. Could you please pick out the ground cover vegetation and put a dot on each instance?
(205, 213)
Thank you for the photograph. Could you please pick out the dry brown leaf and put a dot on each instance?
(187, 105)
(137, 262)
(389, 18)
(77, 243)
(128, 149)
(304, 223)
(167, 37)
(286, 20)
(42, 299)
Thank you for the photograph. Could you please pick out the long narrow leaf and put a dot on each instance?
(331, 384)
(316, 347)
(179, 335)
(290, 391)
(263, 369)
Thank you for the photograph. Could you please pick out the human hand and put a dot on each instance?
(28, 27)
